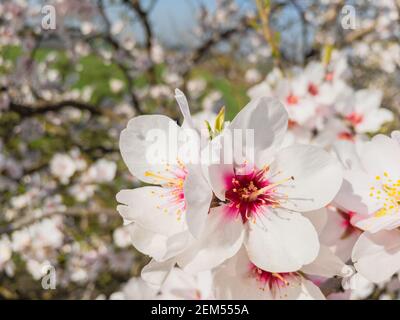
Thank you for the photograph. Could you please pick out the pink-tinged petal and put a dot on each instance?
(377, 256)
(374, 120)
(327, 264)
(309, 291)
(318, 218)
(239, 279)
(340, 234)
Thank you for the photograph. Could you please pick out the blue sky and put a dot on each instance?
(172, 19)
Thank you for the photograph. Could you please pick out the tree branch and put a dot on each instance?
(202, 51)
(28, 111)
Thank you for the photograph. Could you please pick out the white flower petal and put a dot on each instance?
(268, 119)
(377, 223)
(347, 154)
(151, 209)
(198, 197)
(374, 120)
(155, 273)
(145, 147)
(327, 264)
(380, 155)
(367, 100)
(147, 242)
(221, 239)
(158, 246)
(184, 106)
(220, 166)
(377, 256)
(309, 291)
(317, 177)
(318, 218)
(281, 242)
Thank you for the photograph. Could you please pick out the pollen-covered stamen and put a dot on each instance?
(173, 196)
(248, 193)
(162, 179)
(272, 280)
(388, 192)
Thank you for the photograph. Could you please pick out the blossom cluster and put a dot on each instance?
(316, 197)
(295, 209)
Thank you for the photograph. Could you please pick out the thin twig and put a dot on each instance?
(28, 111)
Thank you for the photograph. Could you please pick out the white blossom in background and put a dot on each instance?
(63, 167)
(370, 191)
(116, 85)
(5, 251)
(283, 225)
(102, 171)
(252, 76)
(196, 87)
(122, 237)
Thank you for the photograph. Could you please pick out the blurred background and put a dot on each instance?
(72, 73)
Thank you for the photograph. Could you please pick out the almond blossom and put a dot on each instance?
(370, 191)
(262, 201)
(239, 278)
(162, 215)
(362, 110)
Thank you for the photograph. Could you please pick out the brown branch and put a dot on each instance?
(28, 111)
(359, 34)
(143, 16)
(201, 52)
(27, 221)
(144, 19)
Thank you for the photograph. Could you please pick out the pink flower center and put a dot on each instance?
(346, 223)
(248, 193)
(345, 136)
(354, 118)
(291, 124)
(312, 89)
(271, 280)
(329, 76)
(292, 99)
